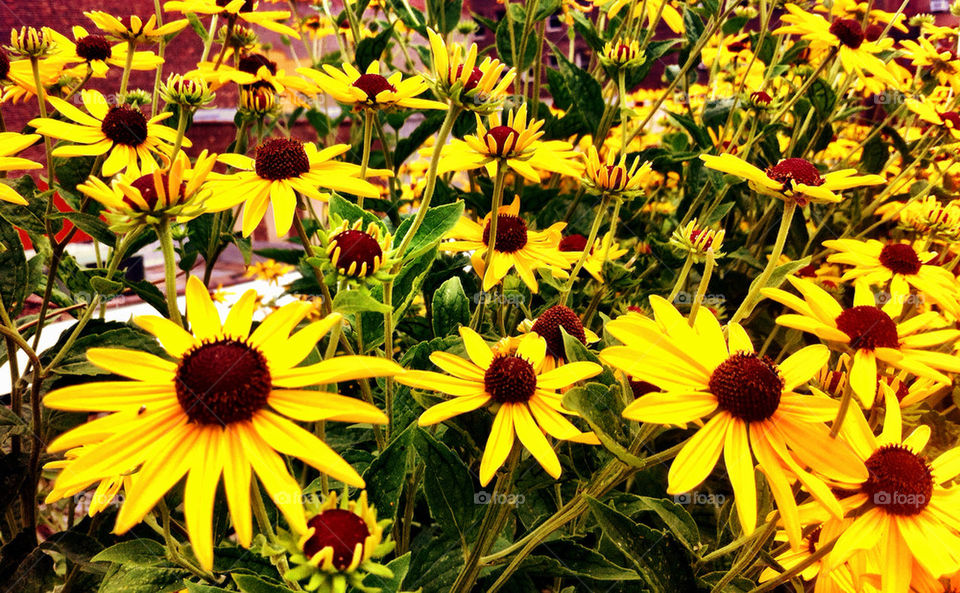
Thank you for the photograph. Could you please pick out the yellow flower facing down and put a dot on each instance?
(524, 397)
(97, 53)
(10, 144)
(470, 85)
(253, 71)
(356, 250)
(121, 132)
(548, 325)
(175, 193)
(870, 333)
(905, 514)
(753, 409)
(16, 76)
(931, 218)
(371, 90)
(515, 247)
(282, 168)
(604, 249)
(245, 10)
(948, 120)
(220, 405)
(137, 31)
(792, 179)
(516, 144)
(897, 266)
(614, 178)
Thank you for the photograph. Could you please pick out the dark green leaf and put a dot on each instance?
(387, 472)
(254, 584)
(355, 301)
(586, 96)
(345, 210)
(371, 48)
(875, 155)
(567, 559)
(453, 508)
(443, 15)
(92, 225)
(601, 407)
(135, 552)
(699, 135)
(436, 223)
(415, 139)
(141, 579)
(399, 567)
(14, 270)
(510, 38)
(450, 307)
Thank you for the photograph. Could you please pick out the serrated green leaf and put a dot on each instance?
(568, 559)
(135, 552)
(399, 567)
(356, 301)
(450, 307)
(387, 472)
(370, 49)
(254, 584)
(437, 222)
(343, 209)
(453, 509)
(602, 409)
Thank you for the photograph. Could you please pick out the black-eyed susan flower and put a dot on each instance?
(931, 218)
(97, 53)
(106, 490)
(339, 548)
(30, 42)
(481, 87)
(818, 536)
(122, 133)
(515, 247)
(220, 405)
(870, 334)
(524, 398)
(516, 144)
(928, 59)
(10, 144)
(186, 92)
(245, 10)
(134, 201)
(844, 36)
(17, 76)
(137, 30)
(694, 240)
(548, 326)
(754, 411)
(269, 271)
(371, 90)
(253, 71)
(613, 178)
(282, 168)
(622, 54)
(897, 267)
(604, 249)
(905, 513)
(792, 179)
(357, 250)
(947, 119)
(652, 11)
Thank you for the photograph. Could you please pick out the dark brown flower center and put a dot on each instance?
(848, 31)
(951, 119)
(222, 382)
(251, 64)
(4, 64)
(511, 233)
(359, 248)
(504, 140)
(761, 97)
(339, 529)
(474, 79)
(280, 158)
(93, 47)
(899, 482)
(574, 242)
(373, 85)
(873, 32)
(641, 388)
(125, 125)
(510, 379)
(695, 234)
(148, 191)
(900, 259)
(247, 5)
(548, 327)
(795, 171)
(747, 386)
(868, 327)
(813, 539)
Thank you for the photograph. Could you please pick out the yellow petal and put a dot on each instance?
(203, 316)
(499, 444)
(698, 457)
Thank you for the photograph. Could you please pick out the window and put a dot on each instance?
(554, 23)
(939, 5)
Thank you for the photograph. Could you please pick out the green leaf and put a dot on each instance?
(875, 155)
(30, 217)
(141, 579)
(450, 307)
(822, 96)
(583, 90)
(576, 351)
(356, 301)
(437, 222)
(399, 567)
(655, 555)
(780, 273)
(674, 516)
(692, 26)
(568, 559)
(699, 135)
(320, 122)
(718, 213)
(443, 15)
(197, 588)
(370, 49)
(14, 270)
(406, 287)
(346, 210)
(601, 407)
(106, 287)
(91, 225)
(254, 584)
(71, 172)
(386, 474)
(284, 256)
(415, 139)
(446, 485)
(99, 333)
(510, 37)
(135, 552)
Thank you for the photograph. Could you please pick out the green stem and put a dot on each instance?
(170, 269)
(702, 289)
(682, 278)
(368, 116)
(591, 238)
(622, 92)
(388, 350)
(42, 100)
(181, 129)
(753, 296)
(208, 42)
(125, 79)
(492, 236)
(160, 52)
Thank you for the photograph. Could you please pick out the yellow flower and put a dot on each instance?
(107, 488)
(30, 42)
(357, 251)
(245, 10)
(516, 144)
(898, 266)
(17, 76)
(10, 144)
(548, 325)
(371, 90)
(653, 10)
(904, 515)
(604, 249)
(281, 169)
(253, 71)
(269, 271)
(98, 54)
(843, 35)
(792, 179)
(695, 241)
(622, 54)
(949, 120)
(524, 398)
(758, 414)
(944, 65)
(469, 85)
(221, 406)
(515, 247)
(121, 132)
(137, 31)
(931, 218)
(614, 178)
(870, 333)
(175, 193)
